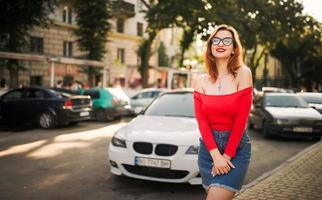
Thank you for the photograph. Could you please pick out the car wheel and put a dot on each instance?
(47, 120)
(265, 130)
(100, 115)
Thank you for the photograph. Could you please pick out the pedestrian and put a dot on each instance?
(222, 103)
(59, 84)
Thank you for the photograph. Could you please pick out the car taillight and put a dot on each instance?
(68, 104)
(114, 102)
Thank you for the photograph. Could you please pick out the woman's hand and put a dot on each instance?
(222, 164)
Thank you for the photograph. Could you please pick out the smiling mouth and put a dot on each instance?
(220, 50)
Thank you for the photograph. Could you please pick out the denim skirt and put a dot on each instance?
(234, 179)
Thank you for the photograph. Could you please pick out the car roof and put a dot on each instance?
(315, 94)
(182, 90)
(280, 94)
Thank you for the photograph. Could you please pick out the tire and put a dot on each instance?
(265, 132)
(47, 120)
(100, 115)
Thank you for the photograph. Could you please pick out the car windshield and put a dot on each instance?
(175, 104)
(312, 99)
(285, 101)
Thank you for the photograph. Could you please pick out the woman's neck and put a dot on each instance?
(222, 66)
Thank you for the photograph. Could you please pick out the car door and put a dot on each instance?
(11, 105)
(142, 99)
(34, 101)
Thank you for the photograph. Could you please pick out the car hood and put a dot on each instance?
(159, 129)
(279, 112)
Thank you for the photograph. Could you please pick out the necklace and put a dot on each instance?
(219, 87)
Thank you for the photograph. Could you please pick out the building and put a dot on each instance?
(58, 40)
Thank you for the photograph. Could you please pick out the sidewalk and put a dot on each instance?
(298, 178)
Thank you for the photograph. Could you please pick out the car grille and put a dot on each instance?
(143, 147)
(165, 149)
(156, 172)
(160, 149)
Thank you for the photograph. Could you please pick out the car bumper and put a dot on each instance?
(119, 111)
(296, 131)
(183, 167)
(69, 115)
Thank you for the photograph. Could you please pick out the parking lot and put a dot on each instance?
(71, 162)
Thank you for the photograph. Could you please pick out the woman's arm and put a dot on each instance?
(245, 103)
(203, 123)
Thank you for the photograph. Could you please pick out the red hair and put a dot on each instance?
(235, 60)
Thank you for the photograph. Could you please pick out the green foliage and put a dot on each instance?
(17, 18)
(301, 54)
(162, 55)
(92, 19)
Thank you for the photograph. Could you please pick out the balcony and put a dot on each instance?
(122, 9)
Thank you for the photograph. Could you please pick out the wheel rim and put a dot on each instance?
(45, 120)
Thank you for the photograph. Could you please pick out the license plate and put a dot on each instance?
(151, 162)
(83, 114)
(302, 129)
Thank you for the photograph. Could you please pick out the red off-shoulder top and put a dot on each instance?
(223, 112)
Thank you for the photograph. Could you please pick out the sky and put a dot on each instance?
(313, 8)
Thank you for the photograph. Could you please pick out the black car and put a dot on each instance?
(43, 106)
(285, 114)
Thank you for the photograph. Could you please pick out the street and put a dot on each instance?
(71, 163)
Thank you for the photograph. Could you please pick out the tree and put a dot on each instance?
(162, 55)
(301, 54)
(159, 15)
(92, 19)
(16, 19)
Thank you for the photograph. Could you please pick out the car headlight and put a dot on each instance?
(118, 142)
(281, 121)
(193, 149)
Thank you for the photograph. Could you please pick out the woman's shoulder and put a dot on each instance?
(244, 76)
(200, 82)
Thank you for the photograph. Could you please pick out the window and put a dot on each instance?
(120, 25)
(17, 94)
(67, 15)
(140, 29)
(92, 94)
(36, 45)
(121, 55)
(139, 5)
(36, 80)
(68, 48)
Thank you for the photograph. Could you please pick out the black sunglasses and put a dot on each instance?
(226, 41)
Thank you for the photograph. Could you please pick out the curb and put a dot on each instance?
(273, 171)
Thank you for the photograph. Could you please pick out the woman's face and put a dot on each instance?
(222, 44)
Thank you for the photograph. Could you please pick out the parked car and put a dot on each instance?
(106, 106)
(276, 90)
(120, 94)
(161, 144)
(314, 99)
(285, 114)
(143, 98)
(43, 106)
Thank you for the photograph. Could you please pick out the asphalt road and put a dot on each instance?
(71, 163)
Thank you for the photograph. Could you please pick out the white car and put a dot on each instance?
(160, 145)
(314, 99)
(143, 98)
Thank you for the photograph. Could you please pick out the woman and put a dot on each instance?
(222, 102)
